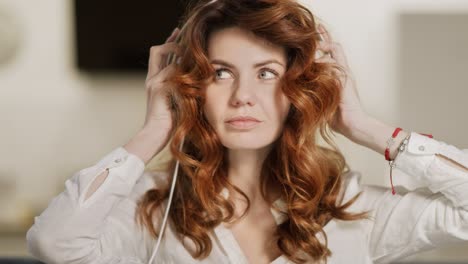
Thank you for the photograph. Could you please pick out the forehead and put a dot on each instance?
(236, 44)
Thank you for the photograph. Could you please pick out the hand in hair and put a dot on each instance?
(158, 114)
(350, 111)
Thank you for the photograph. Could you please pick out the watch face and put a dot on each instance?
(9, 36)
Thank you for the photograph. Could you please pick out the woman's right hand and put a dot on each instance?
(158, 114)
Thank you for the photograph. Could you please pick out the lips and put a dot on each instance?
(243, 122)
(242, 119)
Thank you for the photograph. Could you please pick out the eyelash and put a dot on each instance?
(263, 69)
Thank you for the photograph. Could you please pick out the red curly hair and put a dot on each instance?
(309, 175)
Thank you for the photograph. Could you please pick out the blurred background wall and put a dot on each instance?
(409, 58)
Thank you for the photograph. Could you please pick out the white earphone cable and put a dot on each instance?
(169, 60)
(166, 213)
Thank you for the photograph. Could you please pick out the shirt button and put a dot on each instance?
(118, 160)
(421, 148)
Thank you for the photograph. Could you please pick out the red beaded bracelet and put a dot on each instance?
(390, 142)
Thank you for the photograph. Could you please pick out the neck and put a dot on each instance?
(244, 169)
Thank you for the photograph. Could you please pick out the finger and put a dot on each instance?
(325, 47)
(325, 34)
(325, 59)
(171, 38)
(162, 77)
(337, 52)
(155, 87)
(320, 53)
(155, 58)
(319, 37)
(173, 35)
(165, 73)
(333, 48)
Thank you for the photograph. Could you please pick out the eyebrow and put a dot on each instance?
(258, 64)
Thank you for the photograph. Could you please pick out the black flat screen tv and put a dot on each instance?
(116, 35)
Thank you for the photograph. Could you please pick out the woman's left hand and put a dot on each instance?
(350, 110)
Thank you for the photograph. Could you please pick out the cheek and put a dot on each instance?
(209, 111)
(212, 107)
(285, 108)
(282, 105)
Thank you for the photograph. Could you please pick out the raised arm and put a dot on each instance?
(92, 220)
(79, 227)
(144, 145)
(430, 208)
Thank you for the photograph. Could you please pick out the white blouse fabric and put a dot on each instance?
(428, 211)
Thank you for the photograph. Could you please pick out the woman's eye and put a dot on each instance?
(220, 71)
(271, 72)
(264, 72)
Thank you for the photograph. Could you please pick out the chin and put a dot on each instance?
(244, 143)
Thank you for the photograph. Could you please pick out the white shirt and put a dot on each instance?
(428, 211)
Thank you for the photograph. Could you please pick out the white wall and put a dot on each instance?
(55, 121)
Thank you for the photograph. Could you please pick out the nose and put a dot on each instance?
(243, 94)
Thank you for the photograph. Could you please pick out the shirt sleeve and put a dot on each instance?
(430, 208)
(102, 228)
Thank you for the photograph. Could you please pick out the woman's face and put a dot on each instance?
(246, 84)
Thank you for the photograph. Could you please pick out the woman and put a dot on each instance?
(247, 96)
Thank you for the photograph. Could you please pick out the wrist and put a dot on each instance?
(373, 133)
(146, 143)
